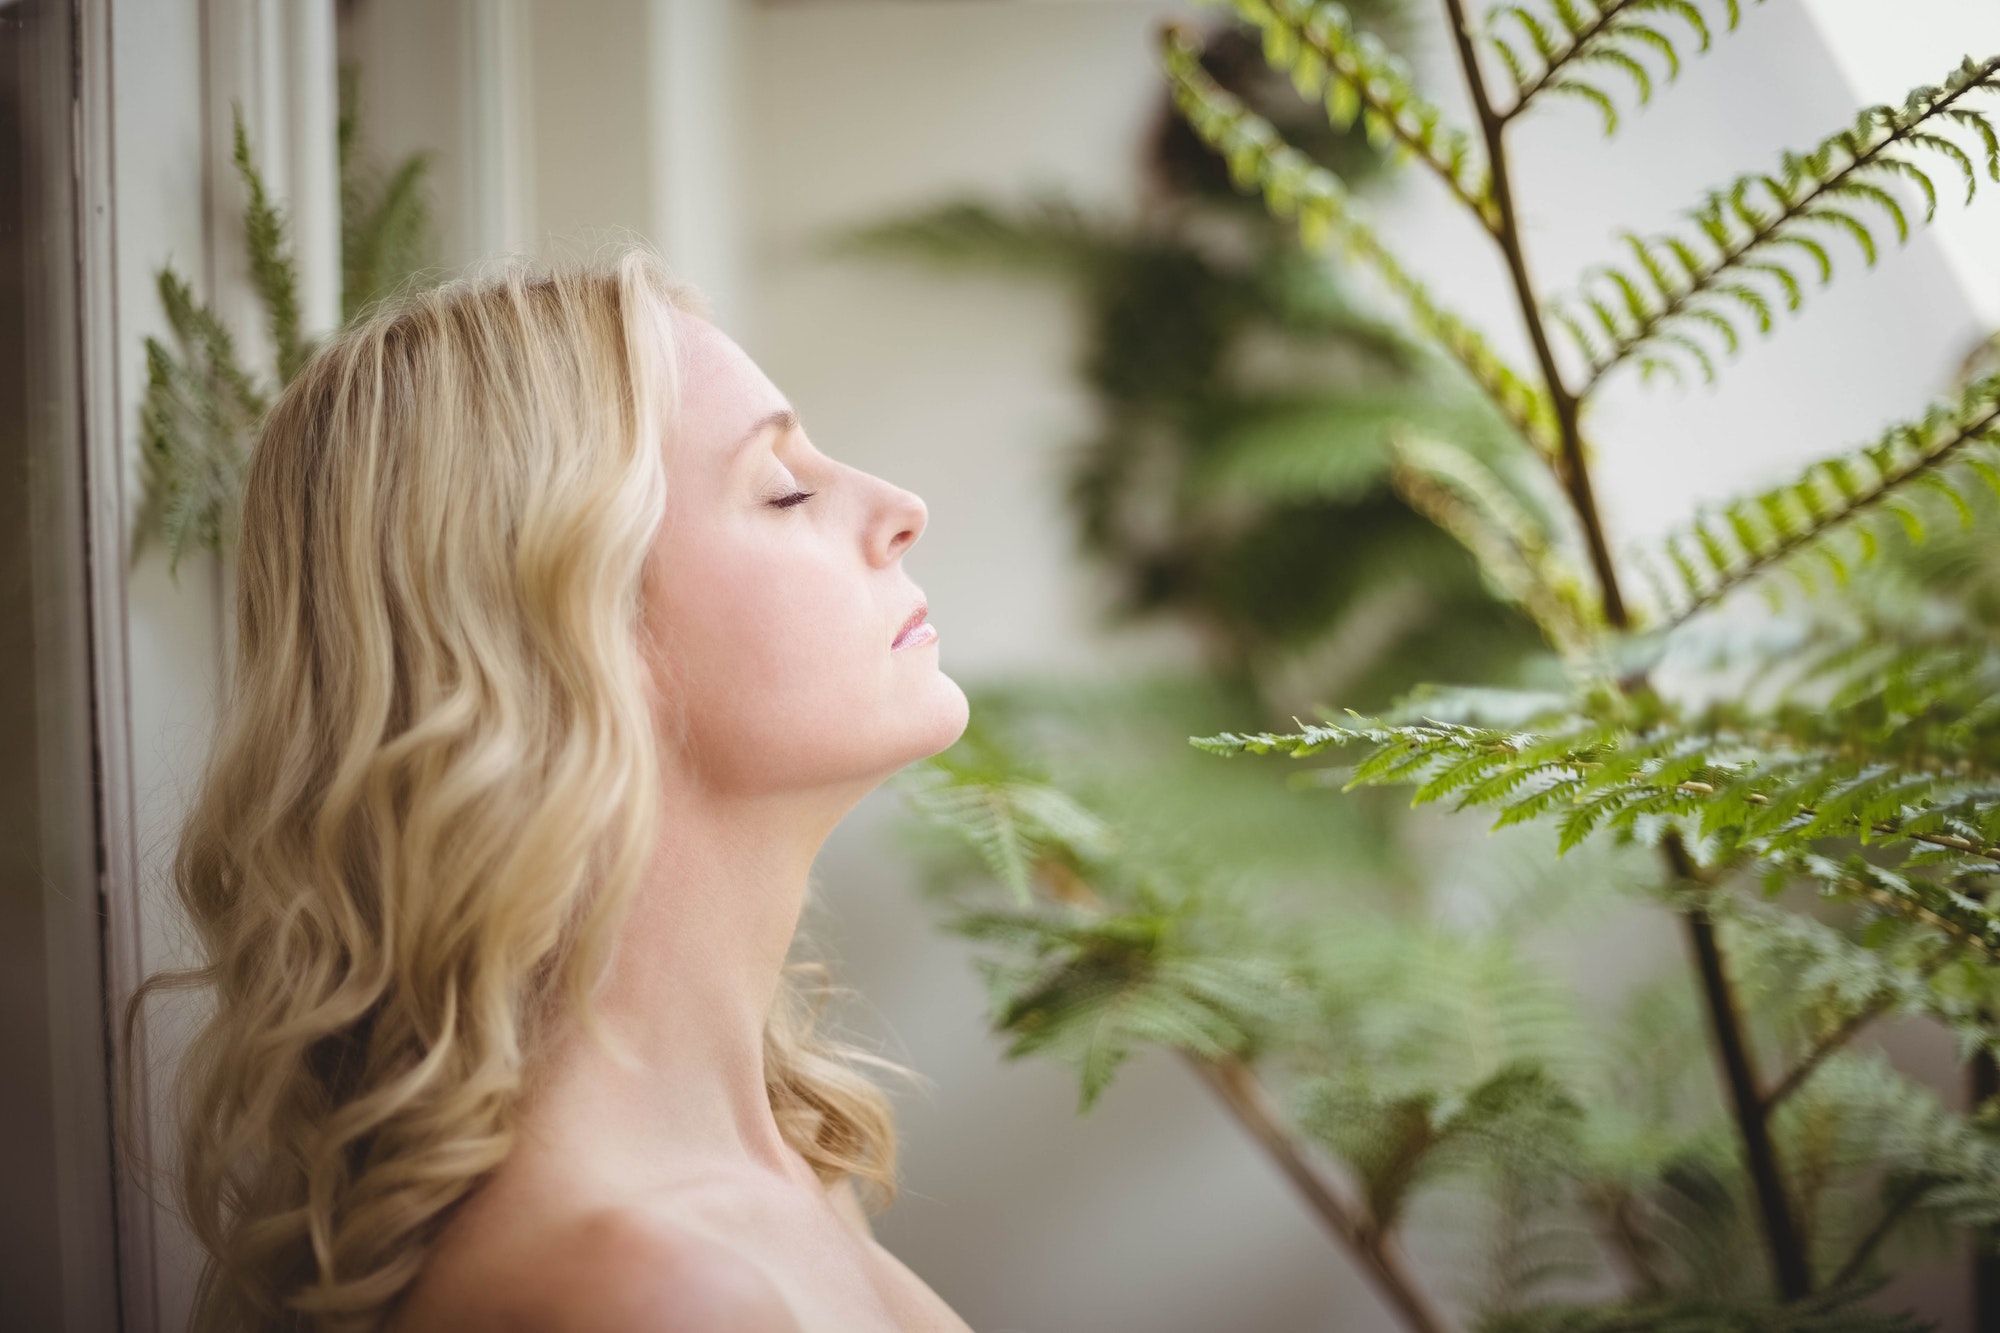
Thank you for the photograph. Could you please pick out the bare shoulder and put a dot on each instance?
(622, 1270)
(611, 1270)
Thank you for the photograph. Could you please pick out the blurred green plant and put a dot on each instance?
(1242, 478)
(1818, 787)
(203, 402)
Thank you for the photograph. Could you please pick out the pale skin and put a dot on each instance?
(662, 1198)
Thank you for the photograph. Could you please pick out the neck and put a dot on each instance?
(697, 966)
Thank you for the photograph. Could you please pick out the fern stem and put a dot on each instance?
(1892, 1213)
(1846, 1032)
(1883, 898)
(1833, 1041)
(1982, 1085)
(1379, 1254)
(1729, 258)
(1788, 1257)
(1574, 471)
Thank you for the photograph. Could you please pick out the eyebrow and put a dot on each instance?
(784, 419)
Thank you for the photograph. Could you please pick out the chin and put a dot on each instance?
(945, 713)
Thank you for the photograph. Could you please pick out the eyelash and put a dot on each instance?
(795, 498)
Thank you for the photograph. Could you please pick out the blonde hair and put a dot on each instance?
(433, 787)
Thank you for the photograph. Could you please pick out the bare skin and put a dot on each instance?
(659, 1196)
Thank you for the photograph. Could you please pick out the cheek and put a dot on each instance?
(769, 641)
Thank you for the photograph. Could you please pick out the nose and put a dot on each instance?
(898, 524)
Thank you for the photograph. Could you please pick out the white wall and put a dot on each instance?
(160, 128)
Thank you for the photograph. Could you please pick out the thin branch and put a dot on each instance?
(1376, 1250)
(1825, 1046)
(1573, 469)
(1788, 1257)
(1903, 907)
(1760, 1157)
(1982, 1084)
(1877, 1006)
(1906, 1199)
(1372, 1247)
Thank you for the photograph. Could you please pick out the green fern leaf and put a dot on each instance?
(1567, 36)
(1826, 189)
(272, 270)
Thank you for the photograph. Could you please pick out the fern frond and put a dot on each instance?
(385, 240)
(1462, 496)
(386, 234)
(1568, 36)
(1735, 798)
(1327, 57)
(1294, 186)
(273, 271)
(1050, 234)
(1955, 444)
(1829, 983)
(196, 418)
(1014, 823)
(1397, 1142)
(1749, 236)
(1090, 988)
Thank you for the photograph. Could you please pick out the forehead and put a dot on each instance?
(723, 393)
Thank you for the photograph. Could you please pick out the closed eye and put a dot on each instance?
(796, 497)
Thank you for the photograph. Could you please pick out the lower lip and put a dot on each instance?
(924, 633)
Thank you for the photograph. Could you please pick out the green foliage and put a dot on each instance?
(1864, 771)
(1556, 46)
(386, 232)
(1757, 242)
(1014, 821)
(1079, 977)
(1838, 510)
(1824, 794)
(272, 270)
(1245, 474)
(203, 403)
(198, 406)
(1738, 797)
(1361, 79)
(1095, 986)
(1297, 188)
(1395, 1143)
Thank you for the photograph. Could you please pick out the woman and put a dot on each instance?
(561, 651)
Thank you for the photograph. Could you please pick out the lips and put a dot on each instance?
(914, 627)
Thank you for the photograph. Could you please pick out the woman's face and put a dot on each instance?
(777, 595)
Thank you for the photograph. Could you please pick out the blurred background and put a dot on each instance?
(877, 198)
